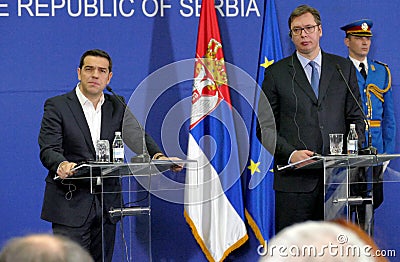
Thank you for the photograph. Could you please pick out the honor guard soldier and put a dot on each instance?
(374, 80)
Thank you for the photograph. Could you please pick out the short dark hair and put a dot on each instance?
(303, 9)
(96, 52)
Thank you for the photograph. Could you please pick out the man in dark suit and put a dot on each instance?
(305, 116)
(71, 125)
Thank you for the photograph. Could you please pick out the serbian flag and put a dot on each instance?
(260, 198)
(213, 193)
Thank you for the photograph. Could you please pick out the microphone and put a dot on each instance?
(140, 158)
(369, 150)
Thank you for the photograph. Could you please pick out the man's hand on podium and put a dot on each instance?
(65, 169)
(300, 155)
(176, 167)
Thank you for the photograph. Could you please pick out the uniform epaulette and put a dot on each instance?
(379, 62)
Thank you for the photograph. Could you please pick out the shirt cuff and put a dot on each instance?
(290, 157)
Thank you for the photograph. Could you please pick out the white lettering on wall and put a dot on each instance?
(76, 8)
(126, 8)
(2, 12)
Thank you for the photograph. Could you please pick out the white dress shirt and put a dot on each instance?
(357, 64)
(92, 115)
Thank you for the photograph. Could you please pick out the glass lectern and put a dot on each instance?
(348, 184)
(132, 184)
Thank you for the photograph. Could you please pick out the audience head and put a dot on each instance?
(43, 248)
(326, 241)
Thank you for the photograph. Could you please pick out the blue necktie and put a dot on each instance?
(314, 78)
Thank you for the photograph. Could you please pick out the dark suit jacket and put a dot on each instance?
(65, 136)
(305, 122)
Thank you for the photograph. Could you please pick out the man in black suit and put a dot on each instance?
(71, 125)
(305, 116)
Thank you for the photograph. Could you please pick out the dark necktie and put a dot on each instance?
(314, 78)
(362, 71)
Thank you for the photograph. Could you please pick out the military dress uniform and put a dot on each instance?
(376, 96)
(377, 102)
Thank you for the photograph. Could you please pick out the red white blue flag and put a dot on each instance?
(213, 194)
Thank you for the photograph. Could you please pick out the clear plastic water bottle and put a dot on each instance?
(118, 148)
(352, 141)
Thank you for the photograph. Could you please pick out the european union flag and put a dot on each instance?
(260, 196)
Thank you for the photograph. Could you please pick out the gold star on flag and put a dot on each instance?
(253, 167)
(266, 62)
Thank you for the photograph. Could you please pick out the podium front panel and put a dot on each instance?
(349, 187)
(125, 191)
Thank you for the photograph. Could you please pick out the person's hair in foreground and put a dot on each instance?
(328, 241)
(43, 248)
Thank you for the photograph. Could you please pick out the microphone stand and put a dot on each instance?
(369, 150)
(140, 158)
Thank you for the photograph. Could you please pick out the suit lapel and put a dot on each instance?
(77, 112)
(327, 70)
(106, 117)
